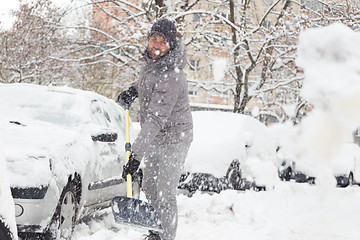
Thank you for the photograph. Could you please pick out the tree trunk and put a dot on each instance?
(238, 71)
(246, 97)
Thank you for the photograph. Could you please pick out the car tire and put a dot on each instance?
(5, 233)
(233, 176)
(65, 217)
(286, 175)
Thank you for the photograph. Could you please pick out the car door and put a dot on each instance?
(106, 173)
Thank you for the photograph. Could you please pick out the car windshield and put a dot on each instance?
(21, 105)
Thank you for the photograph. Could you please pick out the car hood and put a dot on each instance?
(35, 151)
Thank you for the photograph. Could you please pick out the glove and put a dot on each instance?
(126, 98)
(131, 166)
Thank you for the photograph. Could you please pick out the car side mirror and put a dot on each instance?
(105, 137)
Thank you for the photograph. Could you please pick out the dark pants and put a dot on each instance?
(163, 167)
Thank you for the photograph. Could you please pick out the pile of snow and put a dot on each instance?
(331, 59)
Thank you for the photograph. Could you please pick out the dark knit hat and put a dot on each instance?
(166, 29)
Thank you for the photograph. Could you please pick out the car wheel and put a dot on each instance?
(286, 176)
(233, 175)
(5, 233)
(63, 222)
(311, 180)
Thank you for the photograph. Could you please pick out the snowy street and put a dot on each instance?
(291, 211)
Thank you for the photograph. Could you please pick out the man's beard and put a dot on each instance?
(156, 53)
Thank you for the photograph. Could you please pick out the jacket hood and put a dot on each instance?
(175, 58)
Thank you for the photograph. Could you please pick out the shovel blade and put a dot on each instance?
(135, 212)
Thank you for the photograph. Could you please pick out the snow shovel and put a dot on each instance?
(128, 210)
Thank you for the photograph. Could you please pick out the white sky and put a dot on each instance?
(7, 5)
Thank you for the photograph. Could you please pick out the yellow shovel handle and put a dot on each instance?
(128, 151)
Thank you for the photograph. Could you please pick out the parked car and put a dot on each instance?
(64, 152)
(345, 167)
(229, 151)
(7, 212)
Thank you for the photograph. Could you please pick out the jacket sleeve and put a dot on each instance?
(135, 85)
(163, 100)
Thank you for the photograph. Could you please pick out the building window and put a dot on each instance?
(192, 93)
(266, 24)
(311, 4)
(194, 65)
(196, 18)
(226, 15)
(193, 90)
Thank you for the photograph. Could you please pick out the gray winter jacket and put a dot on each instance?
(165, 115)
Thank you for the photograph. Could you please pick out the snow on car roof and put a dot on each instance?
(60, 105)
(219, 138)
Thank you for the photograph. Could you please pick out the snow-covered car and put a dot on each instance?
(345, 166)
(8, 229)
(229, 151)
(64, 150)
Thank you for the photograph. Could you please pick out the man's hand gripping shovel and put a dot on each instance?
(128, 210)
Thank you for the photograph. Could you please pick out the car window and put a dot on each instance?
(119, 117)
(99, 113)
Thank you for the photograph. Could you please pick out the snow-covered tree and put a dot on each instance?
(257, 39)
(26, 47)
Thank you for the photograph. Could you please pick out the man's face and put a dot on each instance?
(158, 46)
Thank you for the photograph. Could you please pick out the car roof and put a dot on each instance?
(25, 99)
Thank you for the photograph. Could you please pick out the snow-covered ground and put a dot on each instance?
(292, 211)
